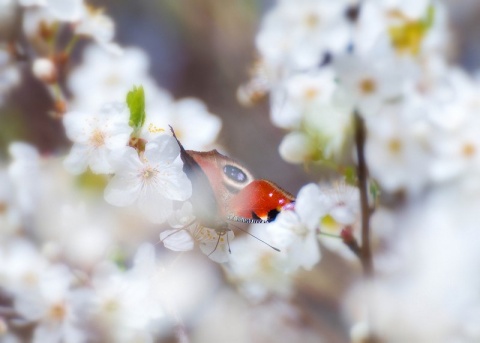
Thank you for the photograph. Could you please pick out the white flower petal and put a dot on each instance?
(177, 240)
(144, 260)
(295, 147)
(218, 250)
(305, 253)
(154, 205)
(162, 150)
(182, 217)
(77, 126)
(126, 161)
(309, 205)
(99, 161)
(118, 137)
(77, 160)
(67, 10)
(177, 185)
(47, 333)
(281, 230)
(122, 190)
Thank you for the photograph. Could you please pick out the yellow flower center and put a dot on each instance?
(97, 138)
(395, 146)
(468, 150)
(30, 278)
(149, 173)
(155, 129)
(265, 262)
(407, 38)
(367, 86)
(329, 224)
(57, 311)
(312, 20)
(310, 93)
(111, 306)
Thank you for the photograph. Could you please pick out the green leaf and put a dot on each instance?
(374, 190)
(350, 176)
(118, 257)
(136, 104)
(430, 17)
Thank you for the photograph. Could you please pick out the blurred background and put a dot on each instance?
(204, 49)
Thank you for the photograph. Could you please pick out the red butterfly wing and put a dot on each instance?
(260, 200)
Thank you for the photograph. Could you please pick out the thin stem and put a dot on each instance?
(71, 44)
(362, 174)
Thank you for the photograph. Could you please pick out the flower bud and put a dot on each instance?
(44, 70)
(295, 147)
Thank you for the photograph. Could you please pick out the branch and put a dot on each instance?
(362, 173)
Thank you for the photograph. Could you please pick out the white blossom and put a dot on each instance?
(23, 172)
(153, 180)
(9, 74)
(186, 116)
(397, 148)
(301, 93)
(95, 136)
(213, 244)
(96, 24)
(297, 34)
(105, 77)
(257, 268)
(371, 85)
(296, 147)
(23, 266)
(434, 241)
(70, 10)
(44, 69)
(296, 231)
(55, 306)
(342, 204)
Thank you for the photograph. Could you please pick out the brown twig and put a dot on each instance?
(8, 312)
(362, 174)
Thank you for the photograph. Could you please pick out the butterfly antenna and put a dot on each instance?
(261, 240)
(176, 231)
(216, 246)
(228, 244)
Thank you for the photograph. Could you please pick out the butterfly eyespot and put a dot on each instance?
(235, 174)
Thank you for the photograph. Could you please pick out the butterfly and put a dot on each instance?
(224, 191)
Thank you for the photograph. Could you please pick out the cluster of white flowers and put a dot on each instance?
(320, 63)
(75, 268)
(87, 272)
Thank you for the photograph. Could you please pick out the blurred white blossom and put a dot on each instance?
(297, 35)
(295, 232)
(435, 242)
(23, 172)
(44, 70)
(153, 179)
(104, 77)
(96, 135)
(194, 125)
(55, 306)
(256, 268)
(9, 74)
(96, 24)
(342, 204)
(75, 269)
